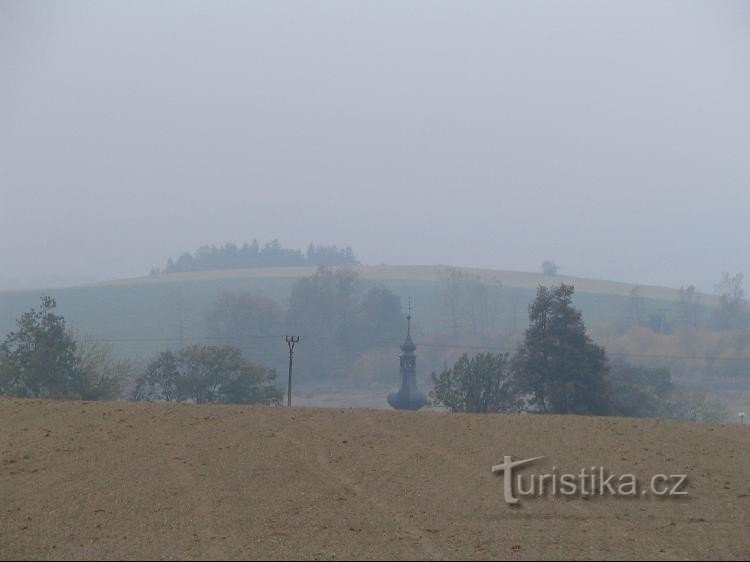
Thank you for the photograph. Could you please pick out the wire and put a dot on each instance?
(389, 342)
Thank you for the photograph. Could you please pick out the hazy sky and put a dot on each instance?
(612, 137)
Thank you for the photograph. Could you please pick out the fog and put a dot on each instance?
(613, 138)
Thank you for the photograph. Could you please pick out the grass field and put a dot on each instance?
(112, 480)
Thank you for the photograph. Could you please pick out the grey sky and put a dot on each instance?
(612, 137)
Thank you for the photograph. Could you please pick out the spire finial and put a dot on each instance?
(408, 320)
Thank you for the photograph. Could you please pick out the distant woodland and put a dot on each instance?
(271, 254)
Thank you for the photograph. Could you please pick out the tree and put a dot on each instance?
(688, 307)
(324, 304)
(731, 313)
(103, 374)
(345, 319)
(557, 365)
(160, 380)
(40, 359)
(635, 304)
(452, 280)
(207, 374)
(471, 303)
(478, 384)
(247, 320)
(236, 315)
(379, 315)
(638, 392)
(549, 268)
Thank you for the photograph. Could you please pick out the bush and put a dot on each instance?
(640, 392)
(478, 384)
(207, 374)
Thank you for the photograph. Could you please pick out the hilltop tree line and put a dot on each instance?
(271, 254)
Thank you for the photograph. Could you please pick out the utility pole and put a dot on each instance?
(290, 341)
(182, 332)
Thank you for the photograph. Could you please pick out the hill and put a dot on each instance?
(141, 316)
(132, 480)
(517, 279)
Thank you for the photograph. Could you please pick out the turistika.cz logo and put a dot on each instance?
(590, 481)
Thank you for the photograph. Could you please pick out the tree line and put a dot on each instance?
(558, 369)
(271, 254)
(730, 312)
(43, 359)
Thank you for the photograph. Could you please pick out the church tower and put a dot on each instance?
(408, 397)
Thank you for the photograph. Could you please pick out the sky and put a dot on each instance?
(610, 137)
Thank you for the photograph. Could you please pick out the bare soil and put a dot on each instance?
(112, 480)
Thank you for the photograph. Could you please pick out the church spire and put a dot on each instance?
(408, 345)
(408, 396)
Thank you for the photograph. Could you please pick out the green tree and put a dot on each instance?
(207, 374)
(39, 359)
(160, 380)
(478, 384)
(639, 392)
(557, 365)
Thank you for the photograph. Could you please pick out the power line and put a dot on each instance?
(689, 357)
(178, 338)
(395, 343)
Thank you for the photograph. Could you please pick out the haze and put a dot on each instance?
(613, 138)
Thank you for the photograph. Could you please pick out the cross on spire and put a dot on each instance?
(408, 320)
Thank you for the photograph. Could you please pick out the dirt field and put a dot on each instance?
(122, 480)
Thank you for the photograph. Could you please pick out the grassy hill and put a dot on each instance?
(143, 315)
(113, 480)
(516, 279)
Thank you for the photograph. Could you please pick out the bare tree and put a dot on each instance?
(731, 313)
